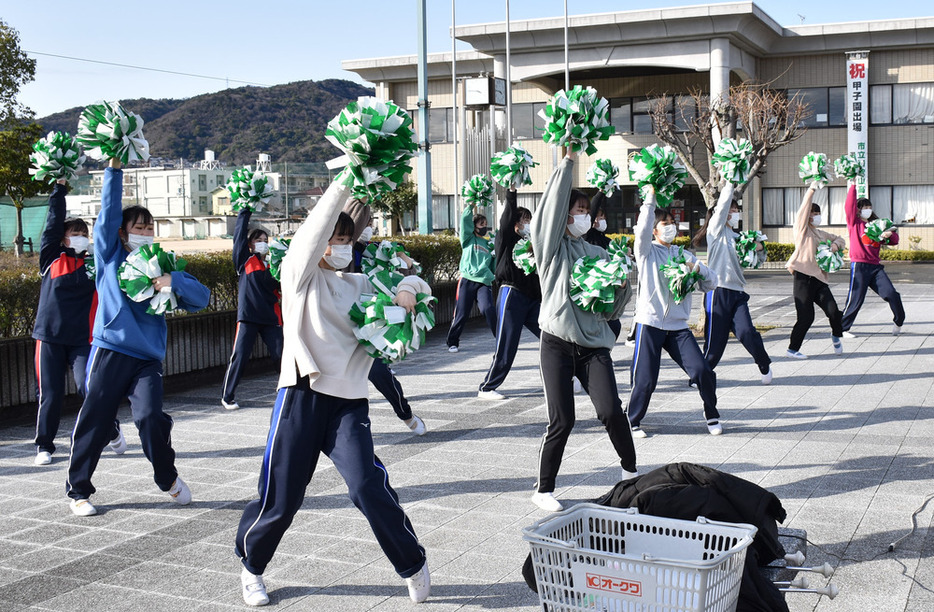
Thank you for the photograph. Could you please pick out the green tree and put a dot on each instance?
(16, 69)
(15, 180)
(397, 202)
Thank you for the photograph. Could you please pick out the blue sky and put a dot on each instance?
(274, 41)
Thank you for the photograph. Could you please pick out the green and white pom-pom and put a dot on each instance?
(381, 263)
(141, 267)
(594, 282)
(478, 191)
(827, 259)
(278, 247)
(875, 229)
(619, 251)
(378, 140)
(660, 168)
(387, 331)
(510, 168)
(733, 160)
(814, 167)
(57, 156)
(746, 251)
(681, 279)
(603, 175)
(524, 257)
(848, 167)
(106, 130)
(90, 268)
(577, 119)
(248, 190)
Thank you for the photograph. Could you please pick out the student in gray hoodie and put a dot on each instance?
(573, 342)
(661, 323)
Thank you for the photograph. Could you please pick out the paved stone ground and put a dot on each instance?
(845, 442)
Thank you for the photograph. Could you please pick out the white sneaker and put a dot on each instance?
(452, 349)
(896, 329)
(849, 335)
(419, 585)
(714, 427)
(578, 387)
(638, 432)
(627, 475)
(43, 458)
(82, 507)
(118, 444)
(796, 354)
(180, 493)
(837, 345)
(254, 589)
(547, 502)
(491, 395)
(416, 425)
(767, 377)
(230, 406)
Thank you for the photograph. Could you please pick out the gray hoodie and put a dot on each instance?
(655, 305)
(721, 245)
(556, 253)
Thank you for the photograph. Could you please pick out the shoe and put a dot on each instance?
(714, 427)
(254, 589)
(638, 432)
(180, 493)
(627, 475)
(837, 345)
(419, 585)
(547, 502)
(416, 425)
(118, 444)
(692, 384)
(43, 458)
(230, 405)
(767, 377)
(896, 329)
(578, 387)
(795, 354)
(82, 507)
(849, 335)
(629, 343)
(453, 349)
(491, 395)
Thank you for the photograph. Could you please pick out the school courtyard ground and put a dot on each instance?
(844, 441)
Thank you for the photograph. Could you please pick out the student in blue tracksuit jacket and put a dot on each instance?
(258, 310)
(67, 302)
(126, 353)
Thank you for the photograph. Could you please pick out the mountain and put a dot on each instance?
(285, 121)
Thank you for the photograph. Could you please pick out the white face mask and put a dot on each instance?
(524, 230)
(865, 213)
(340, 257)
(135, 241)
(581, 224)
(366, 234)
(260, 248)
(734, 219)
(815, 220)
(78, 243)
(601, 225)
(667, 233)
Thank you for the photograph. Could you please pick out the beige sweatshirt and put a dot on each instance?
(807, 237)
(318, 335)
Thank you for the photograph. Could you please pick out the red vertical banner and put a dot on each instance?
(857, 114)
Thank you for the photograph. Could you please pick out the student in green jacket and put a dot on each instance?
(477, 272)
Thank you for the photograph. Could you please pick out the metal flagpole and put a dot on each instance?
(424, 157)
(457, 181)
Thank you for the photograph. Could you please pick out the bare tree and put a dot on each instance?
(766, 117)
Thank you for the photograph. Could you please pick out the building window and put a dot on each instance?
(685, 112)
(642, 115)
(441, 125)
(442, 212)
(221, 180)
(880, 104)
(901, 104)
(621, 115)
(526, 122)
(904, 203)
(836, 106)
(202, 204)
(202, 182)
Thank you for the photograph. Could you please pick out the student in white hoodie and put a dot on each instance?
(322, 404)
(661, 323)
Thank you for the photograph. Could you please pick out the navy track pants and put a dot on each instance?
(865, 276)
(244, 339)
(388, 386)
(468, 292)
(514, 310)
(727, 311)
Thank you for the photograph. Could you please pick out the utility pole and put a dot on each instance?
(424, 156)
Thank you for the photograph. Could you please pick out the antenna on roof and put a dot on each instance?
(801, 17)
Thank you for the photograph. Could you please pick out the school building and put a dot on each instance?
(868, 80)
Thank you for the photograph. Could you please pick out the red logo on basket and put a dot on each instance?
(614, 585)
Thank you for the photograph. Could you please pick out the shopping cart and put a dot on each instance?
(602, 559)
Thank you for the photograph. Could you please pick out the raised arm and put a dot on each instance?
(550, 221)
(721, 211)
(241, 243)
(852, 211)
(50, 246)
(106, 229)
(642, 241)
(311, 240)
(466, 225)
(803, 219)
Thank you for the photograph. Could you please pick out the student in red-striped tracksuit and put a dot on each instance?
(67, 303)
(258, 311)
